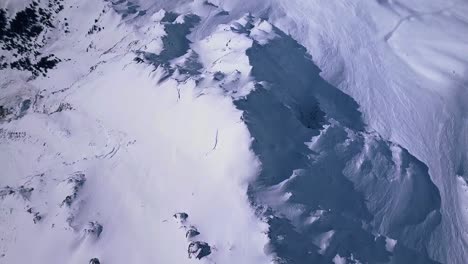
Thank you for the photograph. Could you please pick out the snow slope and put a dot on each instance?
(195, 131)
(404, 62)
(144, 150)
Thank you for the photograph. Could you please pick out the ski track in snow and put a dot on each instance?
(160, 108)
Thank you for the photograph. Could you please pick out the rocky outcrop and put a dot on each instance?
(196, 249)
(23, 35)
(76, 182)
(94, 261)
(93, 229)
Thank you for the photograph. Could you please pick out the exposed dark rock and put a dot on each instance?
(68, 200)
(46, 63)
(94, 261)
(218, 76)
(63, 107)
(4, 111)
(94, 29)
(37, 217)
(7, 190)
(21, 35)
(3, 63)
(208, 3)
(41, 67)
(138, 60)
(191, 232)
(77, 181)
(94, 228)
(198, 249)
(24, 192)
(223, 13)
(181, 217)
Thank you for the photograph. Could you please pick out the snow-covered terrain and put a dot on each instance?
(233, 131)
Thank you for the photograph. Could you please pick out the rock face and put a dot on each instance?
(21, 191)
(191, 232)
(181, 217)
(75, 183)
(94, 229)
(94, 261)
(198, 249)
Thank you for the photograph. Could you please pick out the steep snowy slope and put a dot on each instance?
(405, 64)
(201, 131)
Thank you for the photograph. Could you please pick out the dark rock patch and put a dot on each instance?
(7, 190)
(208, 3)
(22, 191)
(37, 217)
(40, 67)
(198, 250)
(94, 228)
(218, 76)
(94, 29)
(22, 36)
(77, 181)
(25, 192)
(94, 261)
(63, 107)
(223, 13)
(191, 232)
(181, 217)
(4, 111)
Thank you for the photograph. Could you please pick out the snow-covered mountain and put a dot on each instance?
(266, 131)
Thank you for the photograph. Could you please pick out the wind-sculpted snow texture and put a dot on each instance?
(203, 132)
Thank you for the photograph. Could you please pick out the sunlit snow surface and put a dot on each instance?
(233, 131)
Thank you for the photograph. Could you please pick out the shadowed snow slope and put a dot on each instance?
(232, 132)
(352, 183)
(404, 63)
